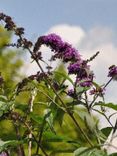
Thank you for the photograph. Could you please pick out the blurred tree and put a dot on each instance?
(10, 61)
(10, 65)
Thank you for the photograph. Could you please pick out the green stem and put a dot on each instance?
(95, 98)
(33, 94)
(20, 149)
(28, 127)
(40, 136)
(81, 130)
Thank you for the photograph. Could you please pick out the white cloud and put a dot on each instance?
(69, 33)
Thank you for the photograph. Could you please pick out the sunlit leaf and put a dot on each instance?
(109, 105)
(84, 151)
(10, 143)
(106, 131)
(113, 154)
(36, 118)
(51, 137)
(66, 77)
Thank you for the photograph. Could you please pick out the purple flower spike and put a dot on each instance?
(54, 41)
(112, 71)
(71, 93)
(81, 69)
(100, 91)
(74, 68)
(86, 83)
(70, 54)
(62, 50)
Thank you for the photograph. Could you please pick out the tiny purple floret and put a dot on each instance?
(112, 71)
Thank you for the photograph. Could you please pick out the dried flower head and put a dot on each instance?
(113, 72)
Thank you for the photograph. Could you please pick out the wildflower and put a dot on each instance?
(74, 68)
(113, 72)
(71, 93)
(53, 41)
(81, 69)
(98, 90)
(70, 54)
(62, 50)
(87, 82)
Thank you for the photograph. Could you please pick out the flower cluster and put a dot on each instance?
(74, 68)
(84, 76)
(61, 49)
(65, 51)
(71, 93)
(100, 91)
(87, 82)
(53, 41)
(10, 25)
(112, 71)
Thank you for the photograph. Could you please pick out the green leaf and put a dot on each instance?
(65, 151)
(59, 116)
(84, 151)
(96, 85)
(5, 107)
(49, 118)
(36, 118)
(10, 143)
(106, 131)
(113, 154)
(3, 98)
(51, 137)
(89, 121)
(21, 106)
(66, 77)
(109, 105)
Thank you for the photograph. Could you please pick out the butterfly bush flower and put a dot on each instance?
(71, 93)
(53, 41)
(61, 49)
(70, 53)
(113, 72)
(81, 69)
(100, 91)
(87, 82)
(67, 53)
(74, 68)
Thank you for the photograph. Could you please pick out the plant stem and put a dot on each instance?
(95, 98)
(86, 102)
(107, 83)
(82, 131)
(20, 148)
(33, 94)
(28, 127)
(104, 116)
(40, 136)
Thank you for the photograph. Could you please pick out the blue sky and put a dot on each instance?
(37, 16)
